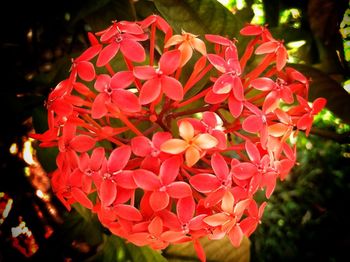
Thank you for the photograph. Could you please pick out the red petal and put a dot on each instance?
(216, 219)
(236, 236)
(119, 158)
(125, 179)
(169, 170)
(185, 209)
(219, 166)
(133, 50)
(160, 137)
(214, 197)
(252, 151)
(199, 250)
(122, 79)
(80, 196)
(172, 88)
(97, 158)
(248, 225)
(141, 146)
(107, 54)
(252, 124)
(217, 39)
(146, 180)
(281, 58)
(99, 108)
(156, 226)
(263, 84)
(126, 100)
(268, 47)
(235, 106)
(318, 105)
(205, 183)
(159, 200)
(108, 192)
(169, 61)
(102, 81)
(89, 53)
(244, 170)
(127, 212)
(218, 62)
(82, 143)
(86, 71)
(179, 190)
(212, 98)
(251, 30)
(150, 91)
(144, 72)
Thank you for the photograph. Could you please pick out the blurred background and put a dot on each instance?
(306, 218)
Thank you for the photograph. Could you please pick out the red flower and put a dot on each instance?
(159, 79)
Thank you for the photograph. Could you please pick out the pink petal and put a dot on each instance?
(179, 190)
(82, 143)
(205, 183)
(174, 146)
(102, 82)
(159, 200)
(108, 192)
(107, 54)
(224, 84)
(318, 105)
(159, 138)
(127, 212)
(126, 100)
(174, 40)
(150, 91)
(132, 50)
(271, 102)
(86, 71)
(169, 170)
(170, 61)
(215, 197)
(251, 30)
(119, 158)
(185, 209)
(248, 225)
(241, 206)
(219, 166)
(172, 88)
(122, 79)
(172, 236)
(186, 53)
(146, 180)
(263, 84)
(81, 197)
(278, 129)
(252, 124)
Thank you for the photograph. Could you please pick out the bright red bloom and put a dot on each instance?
(159, 170)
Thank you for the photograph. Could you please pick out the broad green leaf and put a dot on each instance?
(215, 250)
(144, 254)
(199, 17)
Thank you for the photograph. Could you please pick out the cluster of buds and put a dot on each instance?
(168, 137)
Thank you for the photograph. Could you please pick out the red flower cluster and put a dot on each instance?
(170, 143)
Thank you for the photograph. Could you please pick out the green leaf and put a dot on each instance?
(215, 250)
(199, 17)
(322, 85)
(144, 254)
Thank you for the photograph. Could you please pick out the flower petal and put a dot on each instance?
(252, 124)
(236, 236)
(108, 192)
(169, 61)
(150, 91)
(146, 180)
(122, 79)
(82, 143)
(141, 146)
(216, 219)
(86, 70)
(174, 146)
(192, 156)
(179, 190)
(107, 54)
(172, 88)
(81, 197)
(205, 183)
(159, 200)
(132, 50)
(169, 170)
(185, 209)
(205, 141)
(244, 170)
(126, 100)
(219, 166)
(263, 84)
(128, 212)
(119, 158)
